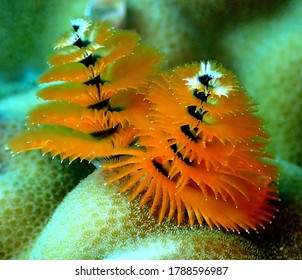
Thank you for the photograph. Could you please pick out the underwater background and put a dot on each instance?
(52, 210)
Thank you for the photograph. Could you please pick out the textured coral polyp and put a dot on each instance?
(31, 186)
(106, 226)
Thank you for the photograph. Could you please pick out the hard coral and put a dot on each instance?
(166, 26)
(31, 186)
(106, 226)
(27, 200)
(269, 64)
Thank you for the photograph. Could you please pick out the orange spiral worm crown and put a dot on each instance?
(203, 154)
(186, 141)
(92, 87)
